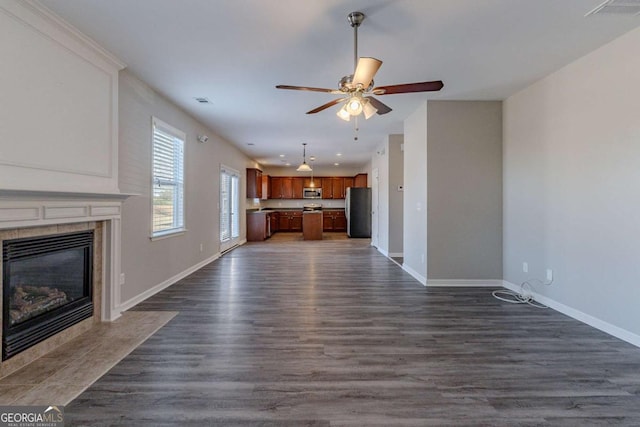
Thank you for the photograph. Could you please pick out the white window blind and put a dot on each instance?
(168, 179)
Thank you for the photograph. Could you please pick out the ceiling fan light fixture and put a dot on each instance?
(344, 114)
(368, 110)
(354, 105)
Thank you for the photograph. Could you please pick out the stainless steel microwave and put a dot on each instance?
(312, 193)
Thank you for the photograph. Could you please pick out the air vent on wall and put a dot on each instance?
(617, 7)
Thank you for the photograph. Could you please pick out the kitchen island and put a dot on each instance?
(312, 225)
(262, 223)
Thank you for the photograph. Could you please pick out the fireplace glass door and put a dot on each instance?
(47, 285)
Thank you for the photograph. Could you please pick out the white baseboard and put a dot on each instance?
(420, 278)
(465, 283)
(383, 252)
(161, 286)
(396, 254)
(606, 327)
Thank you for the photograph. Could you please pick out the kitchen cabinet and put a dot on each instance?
(254, 183)
(257, 226)
(337, 188)
(274, 219)
(276, 187)
(333, 188)
(281, 187)
(290, 221)
(312, 225)
(327, 188)
(308, 183)
(340, 221)
(266, 187)
(348, 182)
(360, 180)
(334, 220)
(297, 184)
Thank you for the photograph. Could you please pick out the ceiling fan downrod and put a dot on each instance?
(355, 19)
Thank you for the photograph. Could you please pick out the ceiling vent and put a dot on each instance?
(617, 7)
(203, 100)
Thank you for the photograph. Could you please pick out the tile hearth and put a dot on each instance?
(61, 375)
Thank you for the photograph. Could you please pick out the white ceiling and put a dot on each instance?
(235, 51)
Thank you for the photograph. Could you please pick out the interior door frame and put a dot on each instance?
(233, 240)
(375, 200)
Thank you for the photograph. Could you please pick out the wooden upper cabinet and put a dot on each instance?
(287, 188)
(297, 185)
(337, 185)
(348, 182)
(360, 180)
(327, 188)
(306, 183)
(254, 183)
(276, 187)
(266, 187)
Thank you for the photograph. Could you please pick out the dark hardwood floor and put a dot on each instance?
(332, 333)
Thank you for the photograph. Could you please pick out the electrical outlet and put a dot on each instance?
(525, 267)
(549, 274)
(122, 278)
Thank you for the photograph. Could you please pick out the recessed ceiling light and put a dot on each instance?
(203, 100)
(336, 164)
(338, 154)
(312, 157)
(281, 155)
(288, 164)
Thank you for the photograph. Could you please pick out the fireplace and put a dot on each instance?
(47, 287)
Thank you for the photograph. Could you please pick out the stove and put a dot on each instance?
(312, 207)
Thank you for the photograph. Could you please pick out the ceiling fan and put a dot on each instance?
(358, 87)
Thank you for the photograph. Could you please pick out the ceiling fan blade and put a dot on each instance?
(366, 69)
(311, 89)
(408, 88)
(327, 105)
(381, 107)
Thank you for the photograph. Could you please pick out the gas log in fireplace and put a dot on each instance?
(47, 287)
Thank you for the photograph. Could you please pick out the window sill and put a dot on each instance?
(168, 235)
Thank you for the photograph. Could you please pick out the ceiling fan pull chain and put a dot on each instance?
(356, 128)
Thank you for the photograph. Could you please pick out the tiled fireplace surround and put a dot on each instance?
(30, 214)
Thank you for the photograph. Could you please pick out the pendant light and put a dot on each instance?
(304, 167)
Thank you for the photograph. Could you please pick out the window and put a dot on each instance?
(229, 208)
(168, 179)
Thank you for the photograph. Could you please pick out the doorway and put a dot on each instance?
(375, 185)
(229, 208)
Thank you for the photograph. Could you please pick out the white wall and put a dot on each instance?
(147, 263)
(571, 180)
(58, 107)
(380, 162)
(415, 194)
(464, 175)
(396, 198)
(388, 160)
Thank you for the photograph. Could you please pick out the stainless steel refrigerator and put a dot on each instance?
(357, 208)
